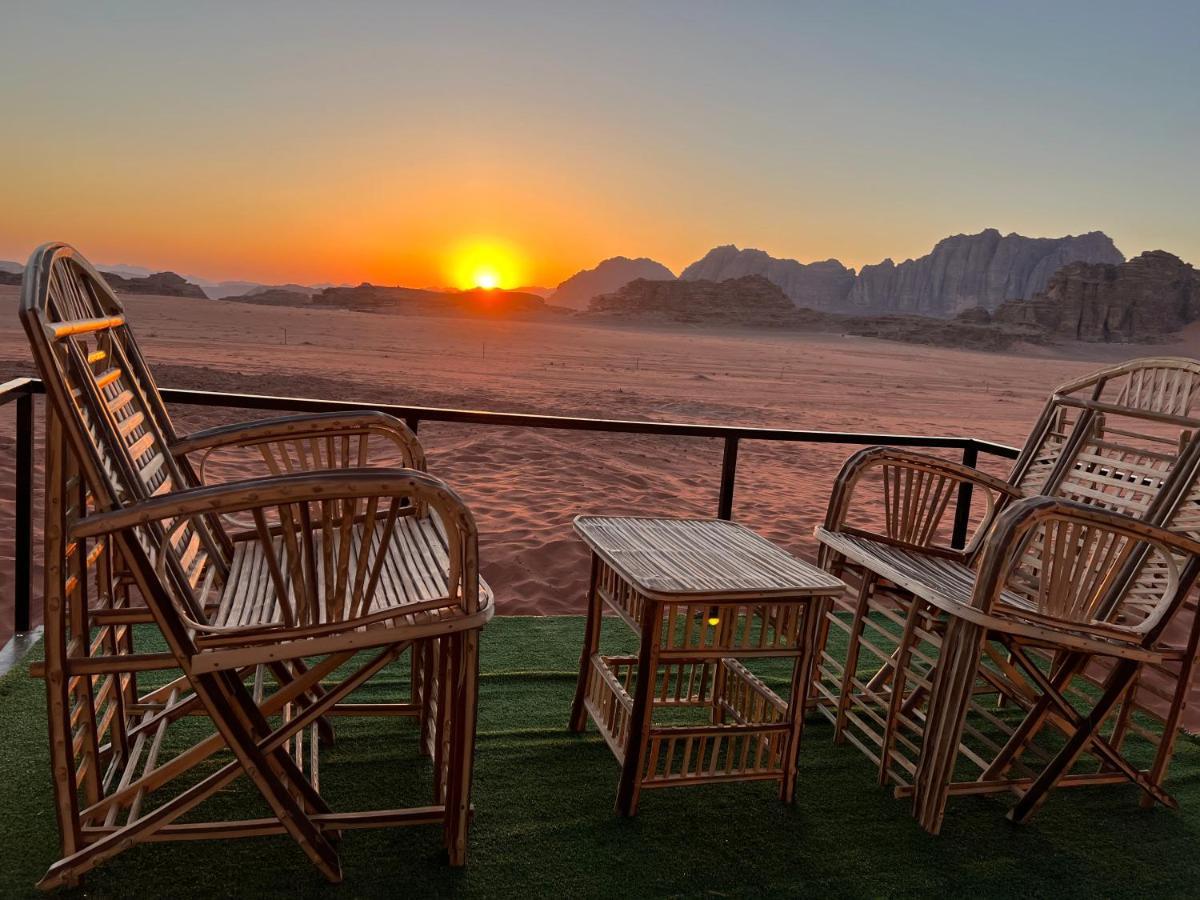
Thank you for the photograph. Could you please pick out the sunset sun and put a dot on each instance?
(484, 262)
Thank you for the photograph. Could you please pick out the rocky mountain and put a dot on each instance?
(962, 272)
(609, 276)
(10, 278)
(7, 265)
(163, 284)
(1149, 296)
(821, 285)
(751, 299)
(969, 270)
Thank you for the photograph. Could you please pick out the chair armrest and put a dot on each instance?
(913, 493)
(1067, 565)
(310, 442)
(300, 518)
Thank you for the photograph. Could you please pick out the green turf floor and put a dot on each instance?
(544, 824)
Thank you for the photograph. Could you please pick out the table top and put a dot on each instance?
(700, 558)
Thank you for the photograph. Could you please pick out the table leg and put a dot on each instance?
(639, 716)
(802, 679)
(591, 643)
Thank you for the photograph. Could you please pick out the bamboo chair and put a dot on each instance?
(1130, 433)
(262, 590)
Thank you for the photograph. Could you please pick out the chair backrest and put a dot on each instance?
(1163, 390)
(111, 411)
(1077, 570)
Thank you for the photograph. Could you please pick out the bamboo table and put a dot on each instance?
(702, 595)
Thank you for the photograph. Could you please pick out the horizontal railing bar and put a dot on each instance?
(11, 389)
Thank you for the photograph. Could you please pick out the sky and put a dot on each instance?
(403, 143)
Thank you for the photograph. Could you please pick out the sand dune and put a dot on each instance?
(526, 485)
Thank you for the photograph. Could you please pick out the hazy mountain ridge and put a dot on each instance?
(961, 272)
(818, 284)
(609, 275)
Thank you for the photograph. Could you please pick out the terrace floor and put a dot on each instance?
(544, 824)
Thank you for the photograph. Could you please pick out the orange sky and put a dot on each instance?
(376, 143)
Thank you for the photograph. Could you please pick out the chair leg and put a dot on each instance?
(1033, 721)
(1033, 798)
(949, 700)
(222, 696)
(899, 681)
(462, 755)
(865, 589)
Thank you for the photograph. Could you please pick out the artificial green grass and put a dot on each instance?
(544, 824)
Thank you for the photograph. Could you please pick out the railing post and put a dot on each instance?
(413, 423)
(23, 549)
(962, 507)
(728, 476)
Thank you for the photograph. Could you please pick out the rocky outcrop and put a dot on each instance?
(162, 284)
(10, 278)
(753, 301)
(609, 276)
(821, 285)
(969, 270)
(749, 300)
(1148, 297)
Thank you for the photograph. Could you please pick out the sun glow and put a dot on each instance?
(484, 263)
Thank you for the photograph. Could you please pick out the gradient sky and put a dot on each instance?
(352, 141)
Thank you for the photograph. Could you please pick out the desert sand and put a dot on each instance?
(526, 485)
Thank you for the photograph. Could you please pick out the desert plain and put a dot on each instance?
(526, 485)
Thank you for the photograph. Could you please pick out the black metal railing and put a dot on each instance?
(21, 391)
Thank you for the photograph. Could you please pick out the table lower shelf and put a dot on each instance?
(711, 720)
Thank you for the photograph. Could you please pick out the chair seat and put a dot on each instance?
(949, 585)
(415, 572)
(924, 574)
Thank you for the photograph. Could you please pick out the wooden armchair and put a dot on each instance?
(1116, 441)
(262, 590)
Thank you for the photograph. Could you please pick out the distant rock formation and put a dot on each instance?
(163, 284)
(969, 270)
(220, 290)
(7, 265)
(609, 276)
(751, 299)
(272, 297)
(1148, 297)
(416, 301)
(821, 285)
(7, 277)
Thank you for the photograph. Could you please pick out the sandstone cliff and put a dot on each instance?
(962, 272)
(821, 285)
(969, 270)
(1147, 297)
(609, 276)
